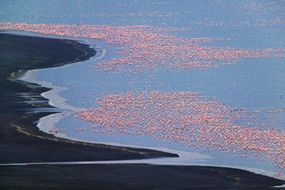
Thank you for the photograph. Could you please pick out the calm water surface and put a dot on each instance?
(252, 84)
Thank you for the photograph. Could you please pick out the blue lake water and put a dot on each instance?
(251, 84)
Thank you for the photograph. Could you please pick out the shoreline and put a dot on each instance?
(27, 129)
(48, 122)
(138, 153)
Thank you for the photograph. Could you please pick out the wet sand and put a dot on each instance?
(21, 141)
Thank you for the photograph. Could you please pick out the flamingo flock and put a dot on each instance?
(183, 117)
(146, 48)
(186, 118)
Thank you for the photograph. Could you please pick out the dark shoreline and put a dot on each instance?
(21, 141)
(22, 105)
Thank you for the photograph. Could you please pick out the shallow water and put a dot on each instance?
(251, 84)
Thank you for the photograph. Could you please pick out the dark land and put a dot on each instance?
(21, 106)
(130, 176)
